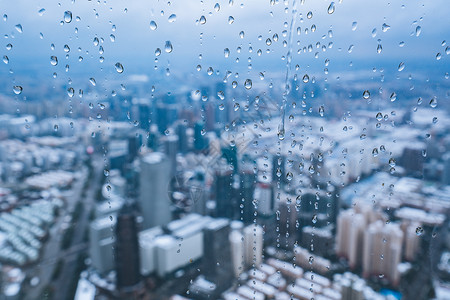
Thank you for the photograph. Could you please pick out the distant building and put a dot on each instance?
(127, 251)
(153, 187)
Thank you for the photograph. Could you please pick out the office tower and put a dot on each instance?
(171, 149)
(253, 245)
(223, 191)
(134, 144)
(182, 138)
(264, 195)
(127, 250)
(382, 250)
(237, 252)
(216, 252)
(101, 243)
(153, 184)
(246, 191)
(147, 246)
(153, 137)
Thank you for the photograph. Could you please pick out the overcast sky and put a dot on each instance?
(135, 42)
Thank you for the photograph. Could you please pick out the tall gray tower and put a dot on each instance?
(153, 183)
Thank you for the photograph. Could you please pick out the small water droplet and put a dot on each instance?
(5, 59)
(393, 97)
(119, 67)
(385, 27)
(41, 11)
(401, 66)
(433, 102)
(112, 38)
(70, 92)
(92, 81)
(331, 8)
(202, 20)
(172, 18)
(17, 89)
(67, 16)
(305, 78)
(168, 47)
(53, 60)
(248, 84)
(419, 231)
(309, 15)
(366, 94)
(418, 30)
(230, 20)
(354, 26)
(19, 28)
(153, 25)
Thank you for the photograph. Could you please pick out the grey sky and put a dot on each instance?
(135, 42)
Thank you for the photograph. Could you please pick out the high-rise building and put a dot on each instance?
(101, 243)
(171, 150)
(382, 251)
(264, 195)
(127, 250)
(153, 184)
(237, 252)
(253, 245)
(246, 191)
(216, 252)
(225, 205)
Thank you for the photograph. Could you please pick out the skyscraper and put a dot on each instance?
(153, 183)
(223, 191)
(247, 188)
(127, 250)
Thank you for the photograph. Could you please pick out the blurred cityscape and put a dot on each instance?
(195, 195)
(198, 150)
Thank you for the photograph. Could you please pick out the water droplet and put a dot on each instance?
(19, 28)
(112, 38)
(314, 219)
(53, 60)
(268, 42)
(379, 116)
(172, 18)
(401, 66)
(67, 16)
(153, 25)
(393, 97)
(106, 172)
(321, 110)
(379, 48)
(418, 30)
(168, 47)
(5, 59)
(309, 15)
(419, 231)
(157, 52)
(289, 176)
(375, 152)
(70, 92)
(248, 84)
(241, 34)
(366, 94)
(385, 27)
(226, 52)
(119, 67)
(17, 89)
(92, 81)
(433, 102)
(331, 8)
(438, 56)
(217, 7)
(210, 71)
(354, 26)
(41, 11)
(311, 260)
(202, 20)
(305, 78)
(230, 20)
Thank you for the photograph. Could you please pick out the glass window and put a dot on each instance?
(272, 149)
